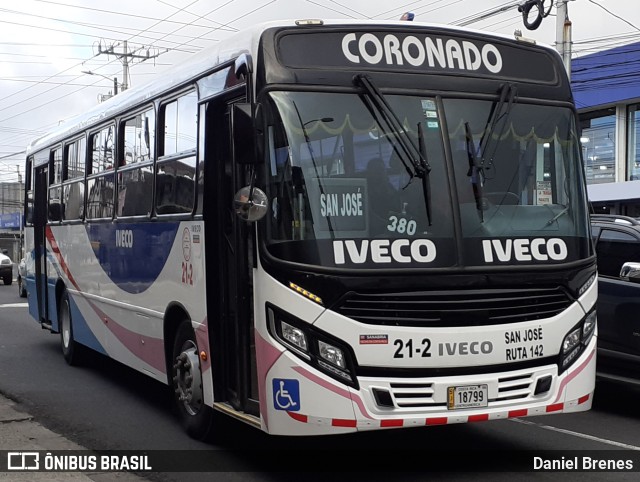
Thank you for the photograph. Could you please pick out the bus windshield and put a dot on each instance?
(344, 193)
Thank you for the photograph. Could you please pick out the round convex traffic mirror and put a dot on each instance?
(252, 209)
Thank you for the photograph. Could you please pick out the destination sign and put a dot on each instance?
(339, 204)
(420, 50)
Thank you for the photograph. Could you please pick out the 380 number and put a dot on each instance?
(402, 225)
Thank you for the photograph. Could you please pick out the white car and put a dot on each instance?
(6, 269)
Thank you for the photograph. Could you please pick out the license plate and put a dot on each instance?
(468, 396)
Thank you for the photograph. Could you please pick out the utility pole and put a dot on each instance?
(124, 57)
(21, 211)
(563, 34)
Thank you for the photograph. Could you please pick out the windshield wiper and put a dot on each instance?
(555, 218)
(476, 173)
(426, 188)
(508, 93)
(418, 165)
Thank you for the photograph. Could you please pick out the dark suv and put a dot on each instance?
(617, 240)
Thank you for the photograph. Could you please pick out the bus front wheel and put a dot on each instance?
(186, 381)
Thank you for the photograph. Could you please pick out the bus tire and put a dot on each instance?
(22, 289)
(186, 381)
(70, 349)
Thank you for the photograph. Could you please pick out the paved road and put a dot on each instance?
(105, 406)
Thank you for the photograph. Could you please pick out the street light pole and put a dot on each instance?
(115, 80)
(21, 212)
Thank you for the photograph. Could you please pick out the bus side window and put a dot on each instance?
(175, 183)
(55, 190)
(55, 206)
(73, 201)
(100, 198)
(135, 189)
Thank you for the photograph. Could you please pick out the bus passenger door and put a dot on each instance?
(39, 238)
(229, 267)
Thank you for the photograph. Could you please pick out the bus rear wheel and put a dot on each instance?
(22, 289)
(70, 349)
(186, 381)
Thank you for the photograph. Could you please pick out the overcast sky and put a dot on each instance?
(45, 45)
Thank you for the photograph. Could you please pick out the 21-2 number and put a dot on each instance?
(406, 348)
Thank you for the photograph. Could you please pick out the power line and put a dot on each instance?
(419, 11)
(614, 15)
(401, 8)
(485, 14)
(119, 32)
(128, 15)
(50, 77)
(331, 9)
(360, 14)
(44, 82)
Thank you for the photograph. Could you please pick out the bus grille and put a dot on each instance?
(412, 394)
(419, 394)
(454, 308)
(513, 388)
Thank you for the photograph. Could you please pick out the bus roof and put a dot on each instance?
(245, 41)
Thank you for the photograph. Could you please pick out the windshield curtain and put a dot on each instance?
(345, 194)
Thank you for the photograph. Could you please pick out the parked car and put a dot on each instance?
(617, 241)
(22, 275)
(6, 269)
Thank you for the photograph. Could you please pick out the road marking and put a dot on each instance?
(15, 305)
(578, 434)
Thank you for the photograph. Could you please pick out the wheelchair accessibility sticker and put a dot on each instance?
(286, 394)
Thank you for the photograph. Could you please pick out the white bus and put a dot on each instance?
(321, 227)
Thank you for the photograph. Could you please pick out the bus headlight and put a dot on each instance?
(319, 349)
(589, 327)
(331, 354)
(576, 340)
(294, 335)
(571, 340)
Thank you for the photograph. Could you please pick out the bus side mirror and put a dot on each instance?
(250, 203)
(630, 272)
(244, 143)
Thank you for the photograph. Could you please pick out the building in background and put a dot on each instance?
(606, 86)
(11, 195)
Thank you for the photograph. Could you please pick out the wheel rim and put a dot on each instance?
(187, 378)
(65, 325)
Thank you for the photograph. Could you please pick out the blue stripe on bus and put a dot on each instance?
(132, 254)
